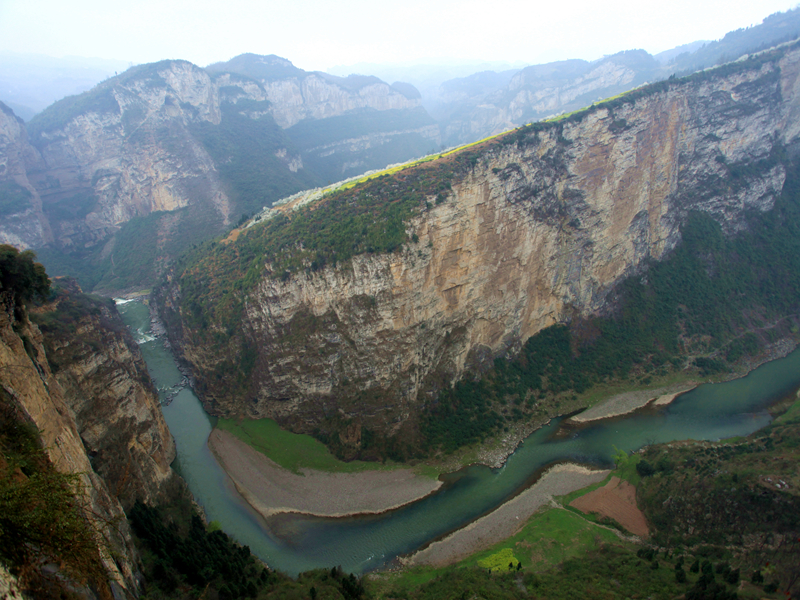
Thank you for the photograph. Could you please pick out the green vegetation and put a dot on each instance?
(43, 518)
(611, 571)
(749, 515)
(367, 219)
(290, 450)
(548, 538)
(184, 559)
(20, 276)
(503, 560)
(244, 147)
(13, 198)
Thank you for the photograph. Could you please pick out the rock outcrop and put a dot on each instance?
(540, 228)
(24, 225)
(105, 383)
(296, 95)
(104, 424)
(124, 149)
(342, 126)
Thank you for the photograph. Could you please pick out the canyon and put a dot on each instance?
(537, 227)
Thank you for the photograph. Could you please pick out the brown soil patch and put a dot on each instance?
(232, 237)
(615, 500)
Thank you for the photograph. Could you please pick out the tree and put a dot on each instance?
(25, 279)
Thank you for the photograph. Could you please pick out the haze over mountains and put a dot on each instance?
(646, 240)
(150, 143)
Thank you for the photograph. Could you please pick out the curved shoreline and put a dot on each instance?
(270, 489)
(506, 519)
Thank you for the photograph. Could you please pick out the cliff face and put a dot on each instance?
(297, 95)
(540, 229)
(115, 406)
(30, 384)
(103, 423)
(342, 126)
(318, 97)
(24, 224)
(128, 152)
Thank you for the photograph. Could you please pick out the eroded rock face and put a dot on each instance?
(98, 417)
(539, 230)
(313, 97)
(130, 153)
(28, 381)
(116, 408)
(24, 225)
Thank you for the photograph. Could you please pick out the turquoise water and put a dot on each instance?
(294, 543)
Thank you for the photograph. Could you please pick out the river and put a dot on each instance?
(295, 543)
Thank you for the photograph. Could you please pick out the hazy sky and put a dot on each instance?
(316, 35)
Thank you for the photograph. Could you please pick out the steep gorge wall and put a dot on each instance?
(129, 153)
(540, 230)
(24, 224)
(98, 417)
(116, 408)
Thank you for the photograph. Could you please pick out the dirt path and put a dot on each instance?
(271, 489)
(615, 500)
(506, 520)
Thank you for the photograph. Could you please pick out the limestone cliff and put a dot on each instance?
(125, 177)
(29, 384)
(538, 226)
(96, 412)
(24, 224)
(124, 150)
(297, 95)
(106, 385)
(342, 126)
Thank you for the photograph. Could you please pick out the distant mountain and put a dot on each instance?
(111, 184)
(488, 103)
(668, 55)
(342, 126)
(775, 29)
(474, 107)
(30, 82)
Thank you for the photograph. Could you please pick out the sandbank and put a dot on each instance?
(271, 489)
(625, 403)
(507, 519)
